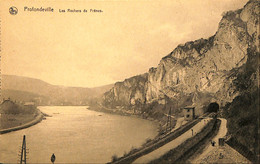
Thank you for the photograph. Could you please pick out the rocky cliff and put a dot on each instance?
(197, 71)
(129, 92)
(223, 69)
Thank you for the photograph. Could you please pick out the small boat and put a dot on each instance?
(100, 115)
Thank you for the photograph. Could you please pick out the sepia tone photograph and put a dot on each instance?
(129, 81)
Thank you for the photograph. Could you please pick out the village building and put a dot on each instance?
(188, 113)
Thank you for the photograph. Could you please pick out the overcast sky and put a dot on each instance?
(94, 49)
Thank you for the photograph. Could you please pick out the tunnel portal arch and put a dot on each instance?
(213, 107)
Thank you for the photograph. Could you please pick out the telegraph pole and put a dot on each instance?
(167, 100)
(169, 120)
(170, 113)
(24, 151)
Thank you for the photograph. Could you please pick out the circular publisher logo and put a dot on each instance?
(13, 10)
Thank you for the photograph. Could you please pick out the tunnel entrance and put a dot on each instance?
(213, 107)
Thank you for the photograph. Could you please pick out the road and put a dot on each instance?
(173, 144)
(221, 133)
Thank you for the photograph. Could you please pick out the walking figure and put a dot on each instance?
(53, 158)
(192, 132)
(213, 143)
(221, 156)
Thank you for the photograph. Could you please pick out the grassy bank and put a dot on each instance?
(12, 120)
(15, 116)
(25, 123)
(154, 144)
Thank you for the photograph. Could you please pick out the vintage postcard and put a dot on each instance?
(129, 81)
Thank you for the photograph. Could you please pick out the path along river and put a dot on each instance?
(77, 135)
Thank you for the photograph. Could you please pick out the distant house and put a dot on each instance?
(188, 113)
(29, 104)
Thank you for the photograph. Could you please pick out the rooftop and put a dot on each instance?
(189, 107)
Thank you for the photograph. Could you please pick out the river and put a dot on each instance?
(77, 135)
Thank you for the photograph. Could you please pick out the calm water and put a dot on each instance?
(77, 135)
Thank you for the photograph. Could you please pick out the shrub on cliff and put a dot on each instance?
(243, 119)
(243, 112)
(114, 158)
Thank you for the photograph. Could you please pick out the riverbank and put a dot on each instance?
(109, 111)
(128, 112)
(161, 134)
(154, 144)
(24, 123)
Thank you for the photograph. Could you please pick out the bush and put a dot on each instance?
(146, 141)
(114, 158)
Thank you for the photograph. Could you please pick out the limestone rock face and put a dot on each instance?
(129, 92)
(203, 66)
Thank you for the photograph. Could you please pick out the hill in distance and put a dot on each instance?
(24, 89)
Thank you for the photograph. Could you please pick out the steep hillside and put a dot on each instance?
(29, 89)
(198, 69)
(243, 112)
(222, 69)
